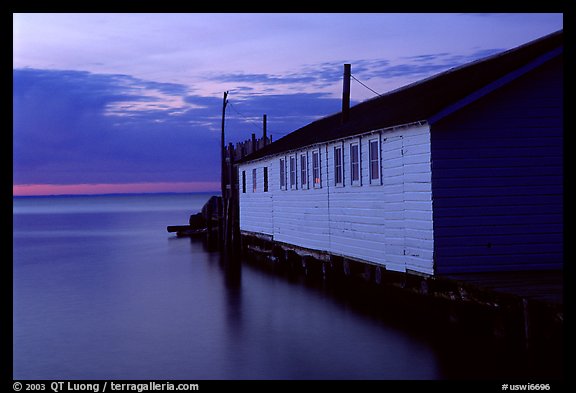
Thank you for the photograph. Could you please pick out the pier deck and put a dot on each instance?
(528, 305)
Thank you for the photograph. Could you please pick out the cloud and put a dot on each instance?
(262, 78)
(80, 127)
(314, 75)
(325, 76)
(65, 131)
(332, 71)
(417, 66)
(285, 112)
(75, 127)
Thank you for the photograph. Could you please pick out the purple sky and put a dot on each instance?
(106, 102)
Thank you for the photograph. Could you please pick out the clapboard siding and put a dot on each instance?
(488, 191)
(528, 200)
(256, 206)
(480, 163)
(386, 222)
(502, 210)
(514, 262)
(501, 249)
(505, 239)
(497, 180)
(520, 231)
(458, 173)
(370, 222)
(502, 151)
(300, 215)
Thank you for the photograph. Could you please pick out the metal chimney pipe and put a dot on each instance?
(346, 93)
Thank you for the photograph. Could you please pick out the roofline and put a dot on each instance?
(418, 123)
(495, 85)
(446, 111)
(465, 65)
(471, 98)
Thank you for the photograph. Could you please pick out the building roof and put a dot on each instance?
(419, 101)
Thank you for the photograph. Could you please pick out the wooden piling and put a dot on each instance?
(222, 146)
(264, 130)
(227, 231)
(460, 301)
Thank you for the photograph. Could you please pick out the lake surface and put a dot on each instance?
(102, 291)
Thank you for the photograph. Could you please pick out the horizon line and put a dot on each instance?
(23, 190)
(118, 194)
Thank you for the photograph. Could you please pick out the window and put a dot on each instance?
(338, 175)
(243, 182)
(374, 161)
(282, 174)
(292, 172)
(254, 180)
(355, 164)
(316, 168)
(265, 179)
(303, 171)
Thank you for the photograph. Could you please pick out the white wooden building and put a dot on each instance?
(373, 188)
(343, 198)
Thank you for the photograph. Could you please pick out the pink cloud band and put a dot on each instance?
(91, 189)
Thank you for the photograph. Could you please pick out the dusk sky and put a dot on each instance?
(107, 103)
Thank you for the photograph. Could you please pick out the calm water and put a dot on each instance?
(102, 291)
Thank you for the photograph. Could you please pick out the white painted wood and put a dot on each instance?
(388, 222)
(256, 207)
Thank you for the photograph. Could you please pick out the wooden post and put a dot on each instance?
(526, 322)
(346, 93)
(264, 132)
(230, 164)
(230, 200)
(222, 148)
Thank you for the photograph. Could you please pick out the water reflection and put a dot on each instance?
(231, 268)
(412, 340)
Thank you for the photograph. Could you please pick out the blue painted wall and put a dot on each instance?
(497, 182)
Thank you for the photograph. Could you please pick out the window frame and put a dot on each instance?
(282, 173)
(304, 170)
(339, 166)
(293, 172)
(244, 182)
(355, 167)
(265, 175)
(374, 180)
(316, 180)
(254, 180)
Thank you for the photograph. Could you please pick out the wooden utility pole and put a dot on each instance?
(346, 93)
(223, 148)
(264, 130)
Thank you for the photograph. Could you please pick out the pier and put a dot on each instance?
(522, 307)
(525, 307)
